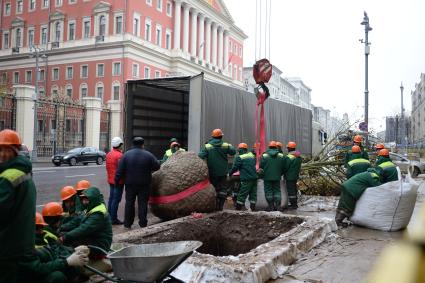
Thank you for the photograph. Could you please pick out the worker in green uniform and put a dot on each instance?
(385, 167)
(95, 227)
(352, 190)
(216, 153)
(174, 147)
(271, 168)
(17, 206)
(52, 213)
(70, 201)
(245, 164)
(279, 147)
(291, 168)
(357, 163)
(357, 141)
(80, 187)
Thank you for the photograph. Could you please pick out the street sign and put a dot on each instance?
(363, 126)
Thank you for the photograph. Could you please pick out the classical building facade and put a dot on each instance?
(418, 113)
(90, 48)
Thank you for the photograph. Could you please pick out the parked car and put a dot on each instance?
(84, 155)
(23, 150)
(405, 164)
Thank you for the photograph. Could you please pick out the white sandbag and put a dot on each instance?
(261, 198)
(387, 207)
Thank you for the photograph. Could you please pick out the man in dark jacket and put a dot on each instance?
(292, 166)
(385, 167)
(245, 164)
(115, 194)
(352, 190)
(216, 153)
(135, 168)
(357, 164)
(271, 165)
(17, 206)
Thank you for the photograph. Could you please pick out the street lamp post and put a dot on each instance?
(366, 42)
(36, 52)
(402, 125)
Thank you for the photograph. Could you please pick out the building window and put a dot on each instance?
(58, 3)
(7, 9)
(6, 40)
(116, 71)
(149, 2)
(158, 35)
(99, 91)
(148, 25)
(147, 73)
(84, 71)
(118, 24)
(72, 1)
(55, 75)
(18, 37)
(16, 77)
(83, 90)
(69, 73)
(67, 125)
(136, 26)
(116, 92)
(69, 91)
(43, 35)
(30, 37)
(41, 75)
(19, 6)
(40, 125)
(32, 5)
(231, 70)
(86, 29)
(169, 7)
(135, 70)
(57, 31)
(100, 70)
(28, 77)
(45, 3)
(157, 74)
(71, 31)
(4, 78)
(168, 39)
(159, 5)
(102, 25)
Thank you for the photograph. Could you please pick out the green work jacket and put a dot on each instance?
(272, 165)
(216, 153)
(245, 163)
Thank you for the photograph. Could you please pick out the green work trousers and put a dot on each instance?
(347, 202)
(291, 188)
(8, 271)
(219, 184)
(272, 192)
(247, 189)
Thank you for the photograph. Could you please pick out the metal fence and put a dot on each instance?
(105, 126)
(7, 112)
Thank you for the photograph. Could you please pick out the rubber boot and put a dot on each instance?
(238, 206)
(252, 206)
(270, 206)
(217, 204)
(293, 203)
(339, 218)
(276, 205)
(221, 203)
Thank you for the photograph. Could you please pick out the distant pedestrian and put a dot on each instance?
(115, 193)
(135, 168)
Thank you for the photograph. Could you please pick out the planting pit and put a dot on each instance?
(237, 246)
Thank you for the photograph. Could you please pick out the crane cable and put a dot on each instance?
(260, 29)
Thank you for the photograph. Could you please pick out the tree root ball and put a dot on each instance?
(180, 172)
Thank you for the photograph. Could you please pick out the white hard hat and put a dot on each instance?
(116, 142)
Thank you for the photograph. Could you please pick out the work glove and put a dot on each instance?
(77, 259)
(82, 250)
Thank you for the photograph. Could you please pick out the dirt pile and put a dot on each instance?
(180, 187)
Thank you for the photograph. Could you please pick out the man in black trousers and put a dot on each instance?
(135, 168)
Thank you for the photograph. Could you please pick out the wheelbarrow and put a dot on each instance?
(148, 262)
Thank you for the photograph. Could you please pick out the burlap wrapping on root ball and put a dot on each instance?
(180, 172)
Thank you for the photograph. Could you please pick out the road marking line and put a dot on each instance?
(80, 175)
(44, 171)
(65, 167)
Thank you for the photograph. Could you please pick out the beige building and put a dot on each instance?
(418, 112)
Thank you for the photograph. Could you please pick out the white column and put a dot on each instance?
(194, 32)
(115, 118)
(25, 113)
(201, 36)
(226, 51)
(214, 44)
(208, 42)
(177, 25)
(220, 48)
(93, 109)
(186, 28)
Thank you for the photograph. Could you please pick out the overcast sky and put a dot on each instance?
(319, 42)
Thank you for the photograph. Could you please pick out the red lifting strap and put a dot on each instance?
(181, 195)
(262, 71)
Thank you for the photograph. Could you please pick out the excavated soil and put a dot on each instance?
(226, 233)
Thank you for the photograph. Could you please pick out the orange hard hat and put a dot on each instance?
(272, 144)
(216, 133)
(9, 137)
(279, 144)
(356, 149)
(255, 145)
(384, 152)
(67, 192)
(243, 145)
(52, 209)
(379, 146)
(291, 144)
(82, 185)
(174, 144)
(39, 220)
(358, 138)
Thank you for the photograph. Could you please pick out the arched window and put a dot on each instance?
(18, 37)
(99, 90)
(68, 91)
(83, 90)
(57, 31)
(102, 25)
